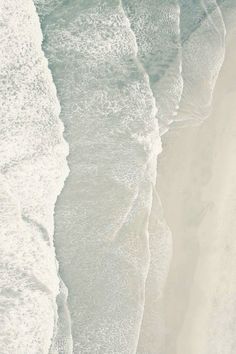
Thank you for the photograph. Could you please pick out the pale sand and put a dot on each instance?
(197, 187)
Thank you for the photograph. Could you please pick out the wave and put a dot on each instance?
(32, 172)
(110, 114)
(157, 30)
(228, 9)
(181, 45)
(121, 69)
(203, 47)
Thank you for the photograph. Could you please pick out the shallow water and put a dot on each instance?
(113, 136)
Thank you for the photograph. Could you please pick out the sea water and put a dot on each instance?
(110, 112)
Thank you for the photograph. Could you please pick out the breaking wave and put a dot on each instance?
(33, 169)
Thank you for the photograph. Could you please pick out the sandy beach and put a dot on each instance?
(197, 187)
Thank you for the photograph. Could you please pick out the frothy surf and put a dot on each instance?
(109, 110)
(33, 169)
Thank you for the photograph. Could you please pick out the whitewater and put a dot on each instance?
(91, 91)
(33, 169)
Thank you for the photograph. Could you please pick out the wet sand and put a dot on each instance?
(197, 187)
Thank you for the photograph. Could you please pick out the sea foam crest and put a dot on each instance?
(33, 169)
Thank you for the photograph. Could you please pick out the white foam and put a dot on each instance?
(33, 168)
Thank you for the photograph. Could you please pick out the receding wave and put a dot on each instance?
(156, 27)
(203, 47)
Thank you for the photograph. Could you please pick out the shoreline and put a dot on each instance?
(190, 176)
